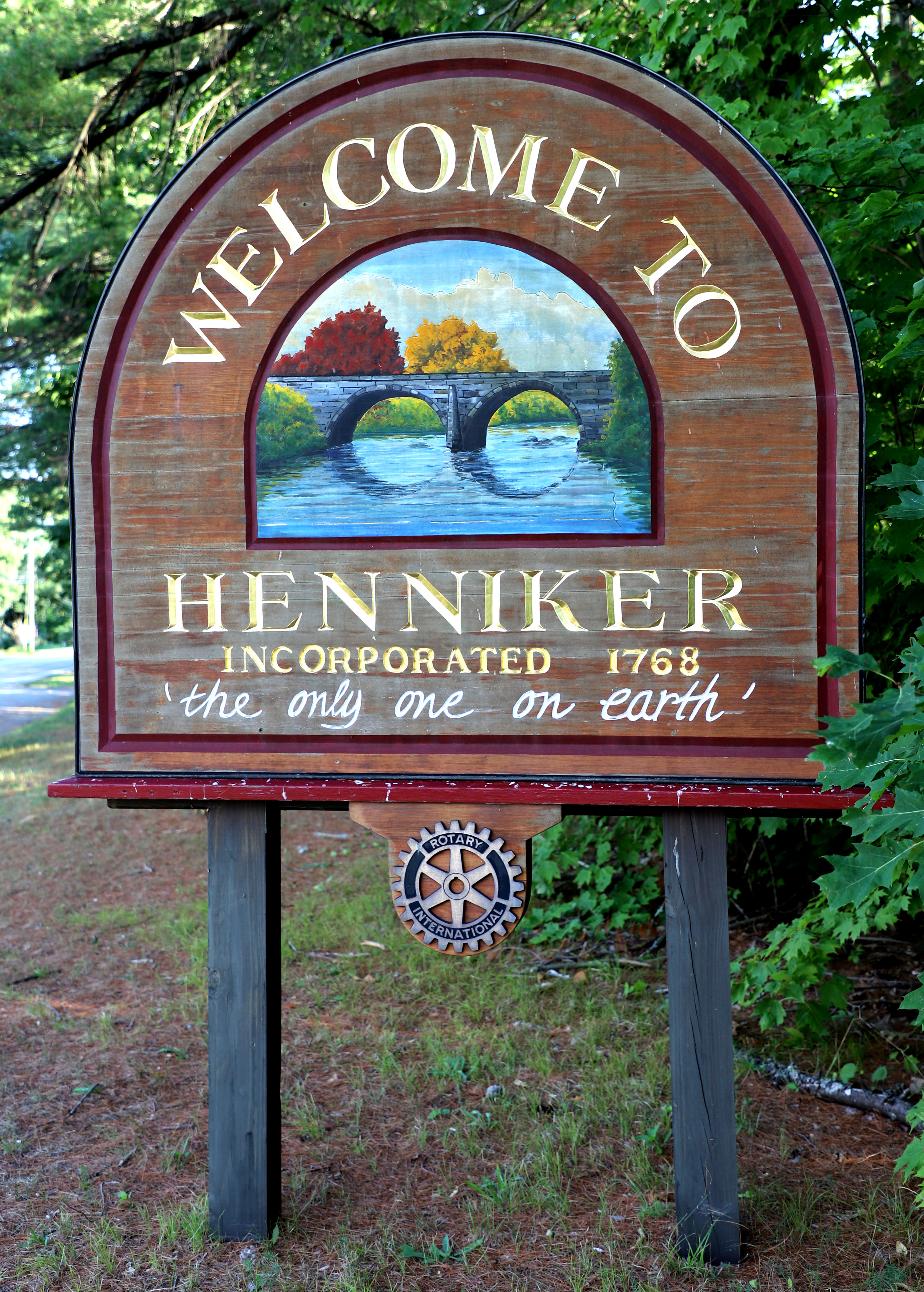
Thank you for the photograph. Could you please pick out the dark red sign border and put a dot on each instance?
(173, 790)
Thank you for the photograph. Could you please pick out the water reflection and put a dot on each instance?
(522, 461)
(376, 468)
(529, 479)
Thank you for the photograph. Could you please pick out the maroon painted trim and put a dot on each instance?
(654, 537)
(806, 797)
(580, 83)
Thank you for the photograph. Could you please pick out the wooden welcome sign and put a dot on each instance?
(525, 605)
(474, 421)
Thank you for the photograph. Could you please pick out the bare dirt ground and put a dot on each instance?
(399, 1172)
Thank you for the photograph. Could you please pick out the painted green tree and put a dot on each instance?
(627, 437)
(287, 430)
(532, 407)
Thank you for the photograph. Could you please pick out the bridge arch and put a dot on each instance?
(342, 425)
(474, 425)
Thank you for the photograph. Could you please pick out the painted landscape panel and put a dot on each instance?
(453, 387)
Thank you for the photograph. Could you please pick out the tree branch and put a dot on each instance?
(493, 18)
(362, 23)
(844, 29)
(163, 38)
(163, 89)
(837, 1092)
(69, 166)
(520, 20)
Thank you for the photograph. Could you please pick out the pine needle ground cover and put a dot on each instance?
(494, 1124)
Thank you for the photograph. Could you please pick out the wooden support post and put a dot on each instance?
(244, 1019)
(702, 1076)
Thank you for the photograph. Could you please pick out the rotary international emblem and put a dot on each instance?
(457, 888)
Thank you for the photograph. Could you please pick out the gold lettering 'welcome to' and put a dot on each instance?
(355, 177)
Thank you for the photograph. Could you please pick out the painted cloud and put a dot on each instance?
(545, 328)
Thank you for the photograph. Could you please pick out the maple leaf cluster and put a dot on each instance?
(352, 342)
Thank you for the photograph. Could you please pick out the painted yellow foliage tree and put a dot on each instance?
(454, 346)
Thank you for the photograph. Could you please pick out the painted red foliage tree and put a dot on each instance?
(353, 341)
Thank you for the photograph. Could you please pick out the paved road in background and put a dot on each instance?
(22, 693)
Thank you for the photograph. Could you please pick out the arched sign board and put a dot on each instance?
(473, 421)
(542, 611)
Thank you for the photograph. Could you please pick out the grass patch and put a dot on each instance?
(52, 681)
(184, 1225)
(438, 1253)
(37, 753)
(105, 919)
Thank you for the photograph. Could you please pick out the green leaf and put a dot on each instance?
(853, 878)
(834, 992)
(878, 204)
(915, 1000)
(730, 27)
(902, 474)
(604, 878)
(905, 816)
(770, 1015)
(910, 506)
(911, 1163)
(911, 332)
(837, 661)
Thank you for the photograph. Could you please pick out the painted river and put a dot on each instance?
(529, 479)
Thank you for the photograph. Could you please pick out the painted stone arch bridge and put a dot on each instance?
(464, 402)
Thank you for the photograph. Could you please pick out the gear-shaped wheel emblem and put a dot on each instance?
(457, 888)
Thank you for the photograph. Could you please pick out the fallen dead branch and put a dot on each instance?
(32, 977)
(836, 1092)
(86, 1095)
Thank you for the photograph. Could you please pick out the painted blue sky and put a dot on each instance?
(543, 320)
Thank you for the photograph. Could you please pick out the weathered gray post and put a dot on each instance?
(702, 1074)
(244, 1019)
